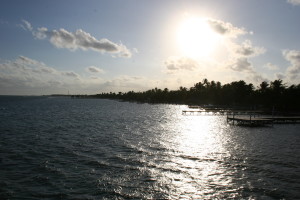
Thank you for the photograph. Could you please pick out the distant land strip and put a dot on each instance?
(268, 96)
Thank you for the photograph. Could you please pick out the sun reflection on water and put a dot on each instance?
(199, 154)
(200, 136)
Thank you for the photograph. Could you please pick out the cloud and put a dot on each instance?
(41, 33)
(24, 65)
(225, 28)
(26, 25)
(2, 21)
(28, 76)
(256, 77)
(234, 62)
(293, 56)
(70, 74)
(135, 50)
(271, 66)
(180, 63)
(280, 76)
(239, 55)
(127, 83)
(94, 69)
(294, 2)
(246, 49)
(77, 40)
(240, 65)
(243, 66)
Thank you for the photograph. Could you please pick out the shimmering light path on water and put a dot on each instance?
(61, 148)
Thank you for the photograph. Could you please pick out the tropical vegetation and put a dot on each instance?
(238, 93)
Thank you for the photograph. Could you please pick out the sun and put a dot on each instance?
(196, 39)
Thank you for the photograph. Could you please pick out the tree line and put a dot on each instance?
(237, 93)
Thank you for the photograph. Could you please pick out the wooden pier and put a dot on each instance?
(244, 117)
(220, 112)
(249, 121)
(284, 119)
(262, 120)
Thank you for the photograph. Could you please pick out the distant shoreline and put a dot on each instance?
(213, 107)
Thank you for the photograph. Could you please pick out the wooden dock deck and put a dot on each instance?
(261, 120)
(245, 117)
(284, 119)
(220, 112)
(249, 121)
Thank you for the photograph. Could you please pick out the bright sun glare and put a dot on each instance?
(196, 39)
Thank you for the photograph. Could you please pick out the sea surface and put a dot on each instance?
(64, 148)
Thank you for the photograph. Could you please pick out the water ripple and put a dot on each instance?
(61, 148)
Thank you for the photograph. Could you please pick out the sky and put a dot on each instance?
(95, 46)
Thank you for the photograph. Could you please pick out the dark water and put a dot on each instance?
(61, 148)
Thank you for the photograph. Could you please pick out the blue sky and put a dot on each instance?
(88, 47)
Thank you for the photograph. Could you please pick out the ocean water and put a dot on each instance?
(63, 148)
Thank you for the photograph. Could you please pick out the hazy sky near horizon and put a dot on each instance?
(88, 47)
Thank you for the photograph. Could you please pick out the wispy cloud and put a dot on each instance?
(26, 25)
(93, 69)
(2, 21)
(294, 2)
(77, 40)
